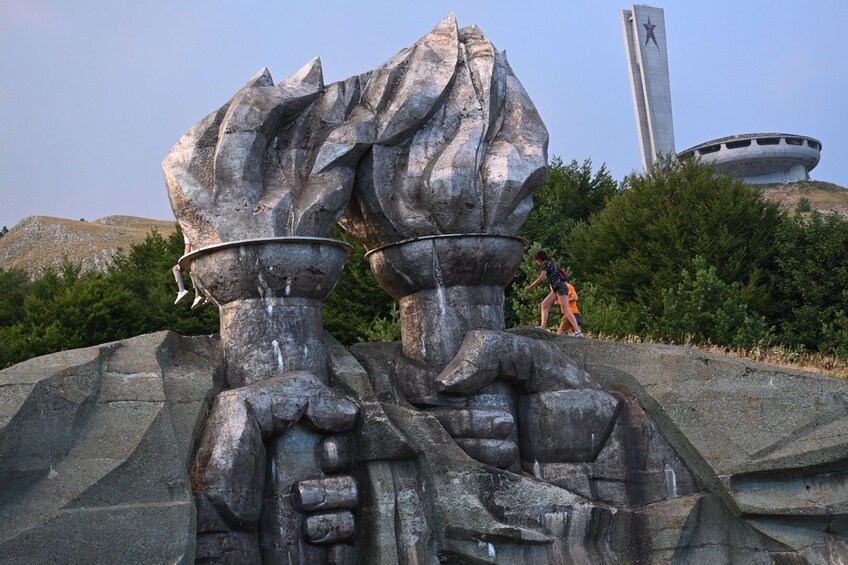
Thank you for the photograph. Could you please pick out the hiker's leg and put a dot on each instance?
(579, 327)
(178, 276)
(567, 314)
(546, 306)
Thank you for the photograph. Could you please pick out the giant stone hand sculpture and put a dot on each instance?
(465, 443)
(246, 187)
(249, 193)
(458, 150)
(431, 160)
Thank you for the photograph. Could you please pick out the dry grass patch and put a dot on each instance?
(779, 356)
(822, 196)
(38, 242)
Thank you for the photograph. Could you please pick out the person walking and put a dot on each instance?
(558, 281)
(564, 325)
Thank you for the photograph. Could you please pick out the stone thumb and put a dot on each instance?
(472, 369)
(330, 411)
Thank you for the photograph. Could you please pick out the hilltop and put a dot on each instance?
(42, 241)
(37, 242)
(823, 196)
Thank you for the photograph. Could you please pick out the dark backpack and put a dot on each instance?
(562, 274)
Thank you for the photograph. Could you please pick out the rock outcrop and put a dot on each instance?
(711, 459)
(95, 446)
(766, 444)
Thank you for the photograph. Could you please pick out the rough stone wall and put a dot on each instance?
(768, 445)
(712, 459)
(95, 445)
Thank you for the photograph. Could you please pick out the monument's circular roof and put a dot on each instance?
(755, 154)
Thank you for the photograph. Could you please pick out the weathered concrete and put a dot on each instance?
(647, 63)
(442, 124)
(94, 451)
(96, 442)
(770, 443)
(446, 286)
(440, 504)
(269, 292)
(458, 146)
(258, 167)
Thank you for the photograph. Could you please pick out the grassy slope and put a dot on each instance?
(823, 196)
(41, 241)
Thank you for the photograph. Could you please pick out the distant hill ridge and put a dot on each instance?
(41, 241)
(823, 196)
(37, 242)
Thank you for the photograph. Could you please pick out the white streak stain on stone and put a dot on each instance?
(278, 354)
(537, 470)
(670, 481)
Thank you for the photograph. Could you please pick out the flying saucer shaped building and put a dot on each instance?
(757, 158)
(760, 158)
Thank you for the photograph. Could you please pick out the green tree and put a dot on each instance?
(384, 328)
(835, 334)
(68, 308)
(604, 316)
(145, 272)
(4, 231)
(812, 271)
(63, 310)
(13, 285)
(702, 308)
(571, 195)
(644, 239)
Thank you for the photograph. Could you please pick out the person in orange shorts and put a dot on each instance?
(557, 279)
(565, 326)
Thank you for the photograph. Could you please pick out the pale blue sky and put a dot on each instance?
(94, 93)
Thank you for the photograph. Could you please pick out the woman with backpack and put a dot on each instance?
(559, 291)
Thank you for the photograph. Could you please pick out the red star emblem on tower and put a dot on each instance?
(649, 27)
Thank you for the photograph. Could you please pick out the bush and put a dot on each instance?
(384, 328)
(67, 309)
(703, 309)
(571, 195)
(145, 272)
(835, 336)
(812, 270)
(606, 317)
(642, 241)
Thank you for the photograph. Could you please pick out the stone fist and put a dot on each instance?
(563, 416)
(273, 420)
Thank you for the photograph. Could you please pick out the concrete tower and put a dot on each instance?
(647, 57)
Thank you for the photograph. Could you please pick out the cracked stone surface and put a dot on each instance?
(94, 455)
(770, 443)
(452, 130)
(94, 451)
